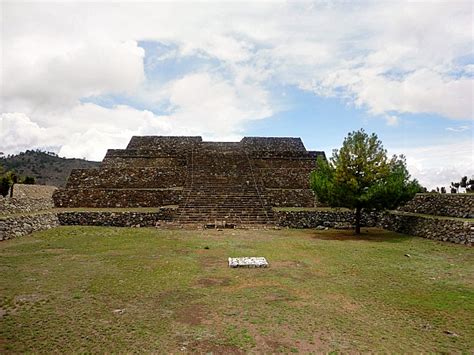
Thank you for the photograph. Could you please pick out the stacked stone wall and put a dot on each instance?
(27, 198)
(436, 228)
(283, 163)
(285, 178)
(116, 219)
(272, 144)
(19, 205)
(290, 197)
(131, 162)
(20, 225)
(220, 147)
(22, 191)
(27, 211)
(129, 177)
(451, 205)
(327, 218)
(143, 153)
(143, 158)
(265, 154)
(128, 198)
(164, 143)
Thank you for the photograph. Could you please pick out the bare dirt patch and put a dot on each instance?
(28, 299)
(213, 281)
(206, 347)
(288, 264)
(194, 314)
(344, 302)
(212, 261)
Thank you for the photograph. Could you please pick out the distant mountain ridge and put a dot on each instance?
(46, 167)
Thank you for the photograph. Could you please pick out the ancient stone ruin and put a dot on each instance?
(203, 182)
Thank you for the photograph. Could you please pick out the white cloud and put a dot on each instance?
(438, 165)
(17, 132)
(458, 129)
(60, 73)
(214, 106)
(88, 130)
(341, 49)
(388, 57)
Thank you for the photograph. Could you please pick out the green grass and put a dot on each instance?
(97, 289)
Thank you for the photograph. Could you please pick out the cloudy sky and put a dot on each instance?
(80, 77)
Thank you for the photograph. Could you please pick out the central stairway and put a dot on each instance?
(221, 188)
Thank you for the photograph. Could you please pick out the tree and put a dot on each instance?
(361, 176)
(470, 186)
(28, 180)
(464, 183)
(454, 187)
(7, 179)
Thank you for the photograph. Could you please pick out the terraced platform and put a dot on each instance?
(210, 182)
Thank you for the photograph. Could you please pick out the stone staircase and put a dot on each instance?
(221, 188)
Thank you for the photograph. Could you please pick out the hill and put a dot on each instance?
(48, 168)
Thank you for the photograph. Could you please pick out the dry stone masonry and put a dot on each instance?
(28, 211)
(184, 180)
(450, 205)
(232, 182)
(446, 217)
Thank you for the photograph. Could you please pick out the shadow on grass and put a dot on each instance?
(370, 235)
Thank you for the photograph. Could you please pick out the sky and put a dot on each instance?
(78, 78)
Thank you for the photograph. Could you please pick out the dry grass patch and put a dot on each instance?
(97, 289)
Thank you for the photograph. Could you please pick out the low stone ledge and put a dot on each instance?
(450, 205)
(327, 218)
(116, 219)
(453, 230)
(20, 225)
(20, 205)
(110, 198)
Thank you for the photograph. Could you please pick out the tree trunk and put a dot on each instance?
(11, 191)
(358, 210)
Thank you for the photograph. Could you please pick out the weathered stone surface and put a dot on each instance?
(273, 144)
(451, 205)
(35, 192)
(238, 182)
(164, 143)
(111, 198)
(340, 219)
(20, 205)
(127, 178)
(17, 226)
(116, 219)
(248, 262)
(291, 197)
(444, 229)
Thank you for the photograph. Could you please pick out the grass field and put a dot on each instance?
(97, 289)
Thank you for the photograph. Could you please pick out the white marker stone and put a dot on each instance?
(246, 261)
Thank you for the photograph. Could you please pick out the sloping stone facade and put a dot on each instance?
(237, 182)
(450, 205)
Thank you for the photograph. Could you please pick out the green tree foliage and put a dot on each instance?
(361, 176)
(29, 180)
(7, 179)
(465, 183)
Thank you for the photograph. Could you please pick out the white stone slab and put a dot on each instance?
(248, 261)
